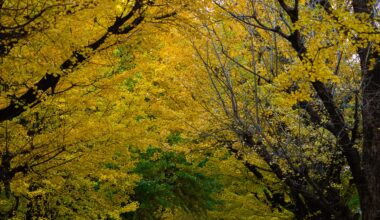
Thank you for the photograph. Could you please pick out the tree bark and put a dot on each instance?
(370, 196)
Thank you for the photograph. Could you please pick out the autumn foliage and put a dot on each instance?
(181, 109)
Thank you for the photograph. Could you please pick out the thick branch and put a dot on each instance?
(50, 80)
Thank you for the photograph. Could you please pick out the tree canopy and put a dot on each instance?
(180, 109)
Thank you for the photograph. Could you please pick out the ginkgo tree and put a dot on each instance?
(295, 89)
(54, 55)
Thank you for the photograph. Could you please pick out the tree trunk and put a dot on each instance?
(370, 189)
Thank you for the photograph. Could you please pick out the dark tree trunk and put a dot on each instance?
(370, 189)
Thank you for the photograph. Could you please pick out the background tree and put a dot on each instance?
(174, 99)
